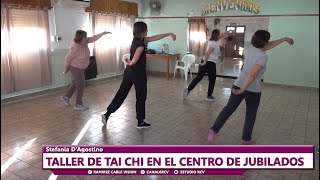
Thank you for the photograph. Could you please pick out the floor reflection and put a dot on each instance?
(229, 67)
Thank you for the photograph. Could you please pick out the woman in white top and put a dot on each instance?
(208, 65)
(248, 85)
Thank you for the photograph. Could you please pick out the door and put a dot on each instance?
(235, 44)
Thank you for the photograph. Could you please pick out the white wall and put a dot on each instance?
(69, 17)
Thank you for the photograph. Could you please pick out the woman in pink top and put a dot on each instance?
(76, 61)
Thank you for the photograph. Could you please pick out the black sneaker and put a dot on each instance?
(210, 98)
(143, 125)
(104, 119)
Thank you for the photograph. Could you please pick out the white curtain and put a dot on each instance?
(125, 35)
(25, 49)
(197, 36)
(109, 50)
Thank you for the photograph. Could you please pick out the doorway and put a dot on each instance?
(235, 43)
(232, 51)
(233, 48)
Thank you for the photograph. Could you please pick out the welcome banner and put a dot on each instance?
(225, 5)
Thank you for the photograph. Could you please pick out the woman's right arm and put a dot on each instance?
(159, 36)
(224, 35)
(96, 37)
(249, 78)
(275, 43)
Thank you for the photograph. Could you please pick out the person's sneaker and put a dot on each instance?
(251, 142)
(79, 107)
(104, 119)
(210, 98)
(143, 125)
(66, 101)
(185, 93)
(211, 136)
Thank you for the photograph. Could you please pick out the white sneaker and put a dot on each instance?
(185, 93)
(66, 101)
(80, 107)
(103, 119)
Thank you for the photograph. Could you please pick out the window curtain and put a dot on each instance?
(126, 36)
(110, 49)
(25, 49)
(197, 36)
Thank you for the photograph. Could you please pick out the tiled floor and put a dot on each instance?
(286, 116)
(229, 67)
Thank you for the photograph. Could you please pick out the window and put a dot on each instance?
(231, 28)
(240, 30)
(25, 49)
(237, 29)
(197, 36)
(109, 50)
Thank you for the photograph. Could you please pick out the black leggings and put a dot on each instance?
(210, 69)
(139, 80)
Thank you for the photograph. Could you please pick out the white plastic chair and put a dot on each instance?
(187, 61)
(124, 57)
(196, 64)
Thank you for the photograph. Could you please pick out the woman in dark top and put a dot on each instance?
(135, 74)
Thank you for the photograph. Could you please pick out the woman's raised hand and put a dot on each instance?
(107, 32)
(173, 36)
(290, 41)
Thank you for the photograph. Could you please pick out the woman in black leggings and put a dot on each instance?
(208, 65)
(135, 74)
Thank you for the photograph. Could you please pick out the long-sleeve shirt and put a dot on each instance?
(79, 54)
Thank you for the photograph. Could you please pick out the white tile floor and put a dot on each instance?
(229, 67)
(286, 116)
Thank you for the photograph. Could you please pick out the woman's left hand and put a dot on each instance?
(290, 41)
(237, 91)
(173, 36)
(203, 64)
(127, 61)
